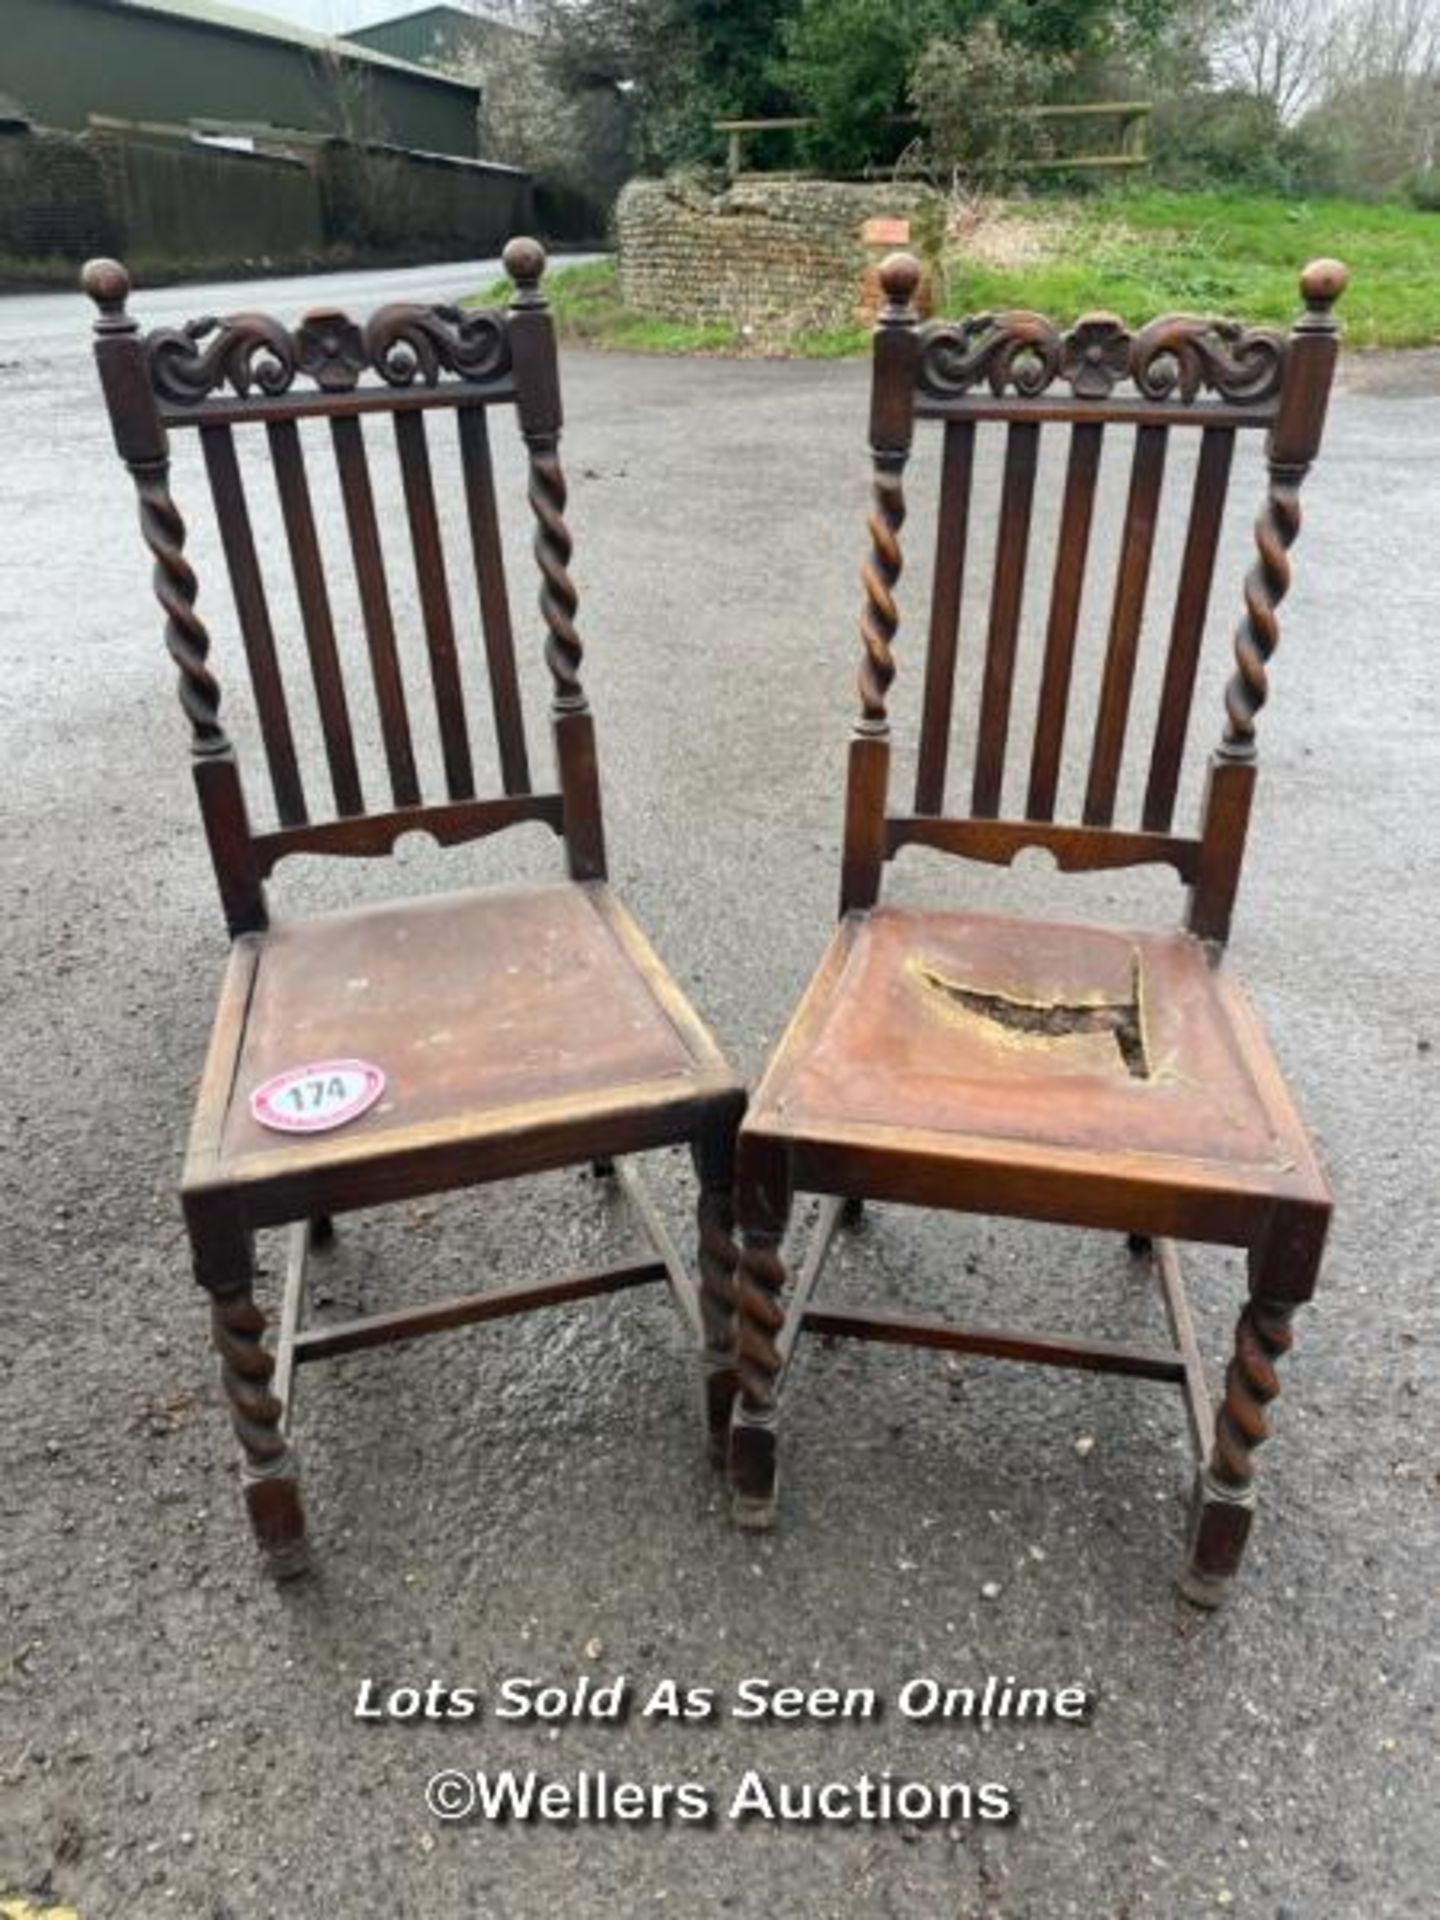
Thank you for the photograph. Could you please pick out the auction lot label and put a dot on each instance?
(315, 1098)
(499, 1793)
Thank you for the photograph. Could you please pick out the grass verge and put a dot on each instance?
(1149, 250)
(1136, 252)
(589, 312)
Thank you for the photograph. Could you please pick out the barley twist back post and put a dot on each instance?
(537, 396)
(892, 418)
(880, 617)
(1293, 442)
(143, 444)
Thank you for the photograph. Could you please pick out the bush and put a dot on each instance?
(1235, 139)
(971, 94)
(1422, 189)
(1382, 128)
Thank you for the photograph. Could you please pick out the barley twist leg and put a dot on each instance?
(714, 1154)
(759, 1317)
(224, 1266)
(1282, 1275)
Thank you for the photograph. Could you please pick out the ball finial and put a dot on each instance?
(108, 285)
(524, 261)
(900, 276)
(1323, 282)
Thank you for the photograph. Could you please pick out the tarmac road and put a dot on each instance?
(30, 321)
(178, 1737)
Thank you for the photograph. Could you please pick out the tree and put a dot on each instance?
(1360, 81)
(680, 64)
(1277, 50)
(1379, 106)
(849, 62)
(683, 63)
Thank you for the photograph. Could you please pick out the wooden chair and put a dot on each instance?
(1074, 1074)
(519, 1029)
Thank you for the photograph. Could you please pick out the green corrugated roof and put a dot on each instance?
(264, 26)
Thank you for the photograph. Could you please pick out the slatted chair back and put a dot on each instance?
(1021, 371)
(249, 373)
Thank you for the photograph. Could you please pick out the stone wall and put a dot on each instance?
(769, 254)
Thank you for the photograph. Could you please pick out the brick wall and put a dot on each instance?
(770, 254)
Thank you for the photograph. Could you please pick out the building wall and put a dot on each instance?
(174, 204)
(444, 37)
(53, 198)
(386, 200)
(66, 59)
(584, 159)
(177, 201)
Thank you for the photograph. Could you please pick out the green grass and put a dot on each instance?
(587, 308)
(588, 312)
(1137, 251)
(1147, 250)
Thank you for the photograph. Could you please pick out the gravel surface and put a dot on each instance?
(177, 1736)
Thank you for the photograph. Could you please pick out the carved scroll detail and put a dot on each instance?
(408, 343)
(880, 617)
(1020, 350)
(558, 596)
(405, 344)
(247, 350)
(759, 1283)
(186, 637)
(1258, 634)
(246, 1371)
(1262, 1336)
(1176, 357)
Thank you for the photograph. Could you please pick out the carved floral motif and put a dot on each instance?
(331, 349)
(1096, 354)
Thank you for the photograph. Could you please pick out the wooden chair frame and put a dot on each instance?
(1011, 368)
(244, 371)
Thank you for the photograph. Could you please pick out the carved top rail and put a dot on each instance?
(1184, 364)
(241, 365)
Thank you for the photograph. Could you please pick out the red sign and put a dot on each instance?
(883, 231)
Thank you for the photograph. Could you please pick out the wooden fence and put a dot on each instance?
(1129, 120)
